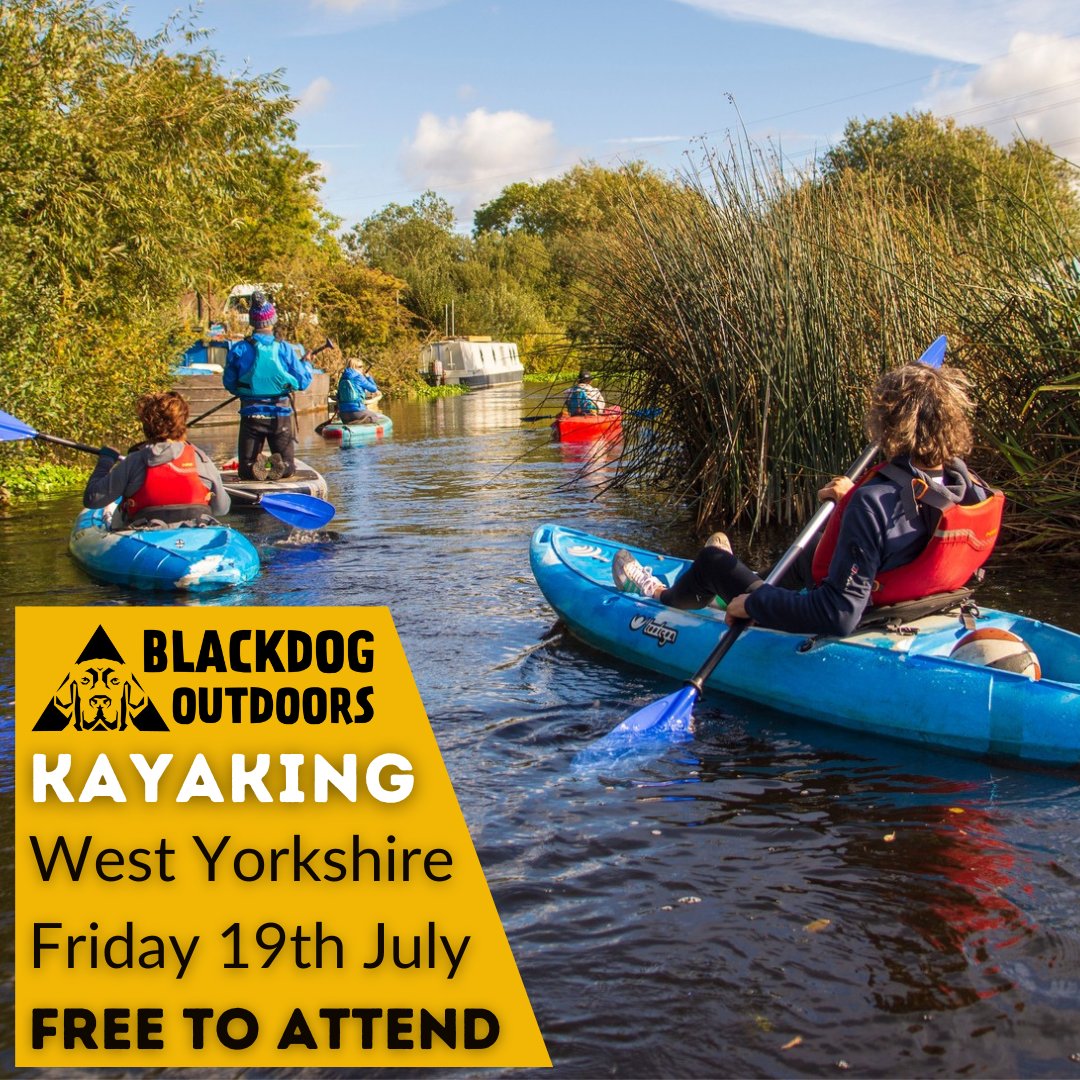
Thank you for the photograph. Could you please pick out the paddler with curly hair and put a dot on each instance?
(162, 482)
(916, 526)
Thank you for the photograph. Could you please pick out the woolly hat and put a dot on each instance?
(261, 312)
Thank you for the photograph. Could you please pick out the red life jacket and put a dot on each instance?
(170, 485)
(960, 543)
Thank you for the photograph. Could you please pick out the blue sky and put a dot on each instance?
(467, 96)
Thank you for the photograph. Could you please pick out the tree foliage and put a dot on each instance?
(131, 171)
(960, 172)
(416, 243)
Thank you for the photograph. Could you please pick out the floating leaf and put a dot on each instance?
(792, 1043)
(889, 837)
(816, 925)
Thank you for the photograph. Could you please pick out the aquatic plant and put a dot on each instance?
(756, 308)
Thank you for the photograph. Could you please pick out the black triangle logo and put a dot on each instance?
(100, 693)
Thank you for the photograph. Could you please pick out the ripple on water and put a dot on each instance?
(768, 899)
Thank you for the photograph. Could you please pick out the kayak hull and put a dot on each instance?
(605, 425)
(305, 481)
(185, 560)
(902, 686)
(357, 434)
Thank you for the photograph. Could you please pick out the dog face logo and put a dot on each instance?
(100, 694)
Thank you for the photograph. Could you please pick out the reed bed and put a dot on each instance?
(755, 307)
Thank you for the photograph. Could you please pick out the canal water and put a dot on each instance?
(776, 898)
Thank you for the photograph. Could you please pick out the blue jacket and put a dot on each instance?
(352, 387)
(238, 369)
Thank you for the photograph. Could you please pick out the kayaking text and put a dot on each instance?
(237, 846)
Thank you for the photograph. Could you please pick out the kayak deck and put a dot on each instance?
(605, 425)
(185, 559)
(356, 433)
(903, 685)
(305, 481)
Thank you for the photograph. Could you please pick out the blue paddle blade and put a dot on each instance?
(299, 511)
(660, 723)
(935, 353)
(12, 428)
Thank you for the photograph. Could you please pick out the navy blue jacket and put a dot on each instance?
(876, 534)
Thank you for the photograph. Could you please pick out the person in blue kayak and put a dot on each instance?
(584, 399)
(163, 482)
(352, 390)
(916, 526)
(263, 373)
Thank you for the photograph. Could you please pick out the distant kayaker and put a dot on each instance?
(916, 526)
(584, 399)
(352, 390)
(263, 372)
(164, 481)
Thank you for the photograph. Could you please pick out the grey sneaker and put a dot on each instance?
(631, 577)
(277, 468)
(719, 540)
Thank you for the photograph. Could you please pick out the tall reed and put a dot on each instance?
(755, 307)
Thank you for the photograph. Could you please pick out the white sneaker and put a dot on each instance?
(631, 577)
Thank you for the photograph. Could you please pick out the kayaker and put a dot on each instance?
(164, 481)
(918, 416)
(584, 399)
(263, 372)
(352, 390)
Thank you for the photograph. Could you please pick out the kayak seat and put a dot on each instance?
(895, 616)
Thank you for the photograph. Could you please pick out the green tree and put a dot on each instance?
(587, 198)
(963, 172)
(416, 243)
(130, 172)
(359, 306)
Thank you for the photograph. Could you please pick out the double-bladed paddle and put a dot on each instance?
(671, 715)
(300, 511)
(293, 507)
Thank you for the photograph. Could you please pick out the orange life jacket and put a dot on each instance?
(961, 541)
(170, 485)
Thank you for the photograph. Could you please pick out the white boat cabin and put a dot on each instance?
(474, 362)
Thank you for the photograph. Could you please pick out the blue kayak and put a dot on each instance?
(901, 685)
(357, 433)
(192, 559)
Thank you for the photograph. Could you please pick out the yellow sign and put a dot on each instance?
(237, 845)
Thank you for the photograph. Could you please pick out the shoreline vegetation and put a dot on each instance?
(749, 302)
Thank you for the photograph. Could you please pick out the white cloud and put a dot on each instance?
(315, 95)
(476, 157)
(1034, 89)
(968, 31)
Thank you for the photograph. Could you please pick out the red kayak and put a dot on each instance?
(605, 425)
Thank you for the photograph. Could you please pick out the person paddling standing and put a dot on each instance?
(262, 372)
(884, 545)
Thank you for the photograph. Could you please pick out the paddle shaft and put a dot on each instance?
(241, 494)
(219, 405)
(802, 542)
(86, 447)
